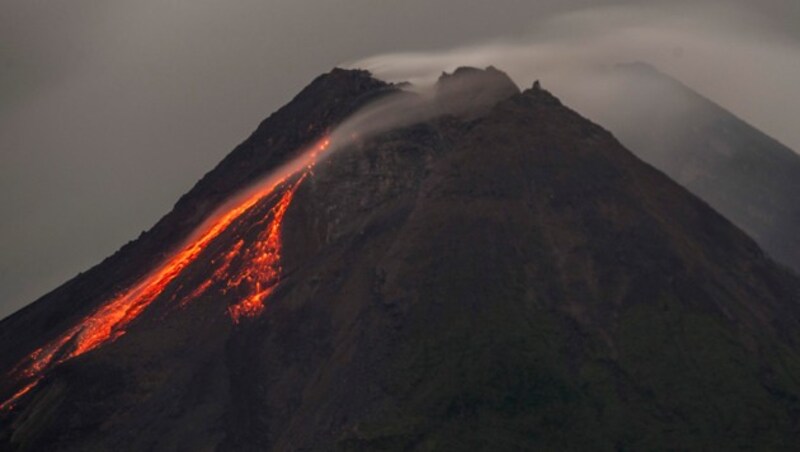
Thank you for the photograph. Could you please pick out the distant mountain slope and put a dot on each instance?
(507, 277)
(744, 174)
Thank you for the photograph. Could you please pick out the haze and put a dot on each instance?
(109, 111)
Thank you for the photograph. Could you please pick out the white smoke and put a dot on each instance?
(724, 53)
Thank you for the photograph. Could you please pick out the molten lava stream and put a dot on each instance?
(9, 404)
(259, 276)
(258, 268)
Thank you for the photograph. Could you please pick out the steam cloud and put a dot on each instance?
(721, 52)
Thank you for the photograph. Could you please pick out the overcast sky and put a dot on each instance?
(110, 110)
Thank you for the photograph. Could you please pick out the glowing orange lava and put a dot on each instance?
(8, 404)
(255, 278)
(264, 259)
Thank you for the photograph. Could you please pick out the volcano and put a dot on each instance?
(500, 275)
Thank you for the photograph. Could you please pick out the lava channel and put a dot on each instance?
(256, 278)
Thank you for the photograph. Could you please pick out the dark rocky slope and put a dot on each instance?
(500, 279)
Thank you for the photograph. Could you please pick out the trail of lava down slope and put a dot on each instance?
(256, 278)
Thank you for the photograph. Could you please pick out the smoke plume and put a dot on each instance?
(727, 54)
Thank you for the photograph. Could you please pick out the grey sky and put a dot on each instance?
(110, 110)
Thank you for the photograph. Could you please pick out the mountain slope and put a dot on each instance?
(741, 172)
(499, 278)
(326, 101)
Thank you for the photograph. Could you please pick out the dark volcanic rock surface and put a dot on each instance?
(505, 278)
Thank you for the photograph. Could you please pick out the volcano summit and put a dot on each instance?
(474, 268)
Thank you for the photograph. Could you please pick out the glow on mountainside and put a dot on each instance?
(254, 279)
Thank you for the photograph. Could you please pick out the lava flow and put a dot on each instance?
(258, 269)
(254, 279)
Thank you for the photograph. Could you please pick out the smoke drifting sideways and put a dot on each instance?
(722, 51)
(405, 106)
(399, 108)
